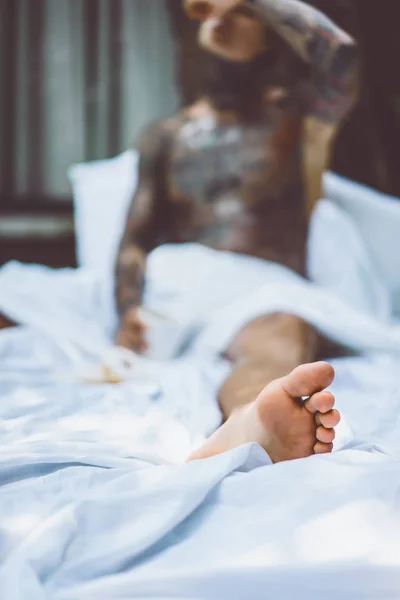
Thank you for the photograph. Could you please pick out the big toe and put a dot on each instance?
(308, 379)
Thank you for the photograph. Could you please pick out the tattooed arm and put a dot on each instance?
(143, 232)
(330, 51)
(318, 41)
(332, 56)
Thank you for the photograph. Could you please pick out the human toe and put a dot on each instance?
(329, 419)
(321, 402)
(326, 436)
(321, 448)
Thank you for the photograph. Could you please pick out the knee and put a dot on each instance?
(279, 337)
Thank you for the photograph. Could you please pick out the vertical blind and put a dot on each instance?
(78, 79)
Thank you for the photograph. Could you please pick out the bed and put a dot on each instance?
(96, 500)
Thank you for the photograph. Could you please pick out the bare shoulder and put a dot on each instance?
(155, 136)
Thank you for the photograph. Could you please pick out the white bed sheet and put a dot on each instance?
(94, 499)
(94, 502)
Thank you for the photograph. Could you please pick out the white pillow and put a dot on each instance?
(102, 193)
(339, 261)
(377, 218)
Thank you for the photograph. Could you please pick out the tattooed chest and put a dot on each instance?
(234, 188)
(207, 162)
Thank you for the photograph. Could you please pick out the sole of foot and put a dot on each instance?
(293, 417)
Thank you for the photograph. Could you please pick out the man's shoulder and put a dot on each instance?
(154, 136)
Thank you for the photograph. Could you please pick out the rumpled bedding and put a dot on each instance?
(95, 498)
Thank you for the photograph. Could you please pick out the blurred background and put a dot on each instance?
(80, 78)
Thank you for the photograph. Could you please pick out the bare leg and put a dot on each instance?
(266, 349)
(286, 427)
(267, 352)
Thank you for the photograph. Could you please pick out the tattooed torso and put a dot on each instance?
(204, 177)
(238, 187)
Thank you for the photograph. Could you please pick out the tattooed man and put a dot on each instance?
(240, 170)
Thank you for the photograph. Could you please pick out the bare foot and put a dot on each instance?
(279, 421)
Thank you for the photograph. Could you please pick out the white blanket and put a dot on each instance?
(210, 293)
(93, 500)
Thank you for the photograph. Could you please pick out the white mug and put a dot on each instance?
(164, 335)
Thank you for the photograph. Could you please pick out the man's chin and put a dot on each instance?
(223, 50)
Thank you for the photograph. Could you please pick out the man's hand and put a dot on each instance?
(131, 332)
(230, 28)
